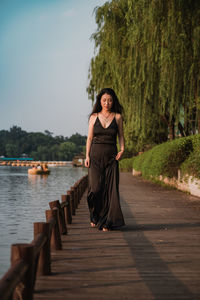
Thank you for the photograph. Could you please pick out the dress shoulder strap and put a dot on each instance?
(96, 115)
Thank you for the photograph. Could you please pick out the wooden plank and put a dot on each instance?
(155, 256)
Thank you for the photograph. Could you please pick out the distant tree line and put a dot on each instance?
(40, 146)
(149, 52)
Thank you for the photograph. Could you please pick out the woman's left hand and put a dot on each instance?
(119, 155)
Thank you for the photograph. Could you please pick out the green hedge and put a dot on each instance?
(191, 165)
(126, 164)
(165, 159)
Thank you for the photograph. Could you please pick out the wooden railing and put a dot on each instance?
(30, 260)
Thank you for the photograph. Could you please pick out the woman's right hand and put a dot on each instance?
(87, 162)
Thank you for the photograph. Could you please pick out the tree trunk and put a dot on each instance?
(171, 130)
(181, 129)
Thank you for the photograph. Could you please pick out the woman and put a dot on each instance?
(105, 123)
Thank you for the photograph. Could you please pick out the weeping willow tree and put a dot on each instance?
(148, 51)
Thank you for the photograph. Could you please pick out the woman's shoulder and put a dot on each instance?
(93, 118)
(118, 116)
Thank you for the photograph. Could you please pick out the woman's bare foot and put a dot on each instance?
(92, 224)
(105, 229)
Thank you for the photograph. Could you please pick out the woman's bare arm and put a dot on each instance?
(89, 139)
(120, 136)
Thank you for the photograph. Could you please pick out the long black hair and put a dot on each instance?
(116, 107)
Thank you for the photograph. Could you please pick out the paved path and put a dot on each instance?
(155, 256)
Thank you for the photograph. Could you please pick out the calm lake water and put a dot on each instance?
(23, 201)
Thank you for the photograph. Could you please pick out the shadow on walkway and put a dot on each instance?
(154, 269)
(154, 257)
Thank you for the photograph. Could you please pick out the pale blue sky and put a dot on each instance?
(45, 51)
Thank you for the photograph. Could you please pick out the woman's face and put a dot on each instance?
(106, 102)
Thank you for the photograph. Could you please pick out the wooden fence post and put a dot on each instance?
(67, 209)
(24, 252)
(61, 219)
(55, 242)
(73, 189)
(81, 187)
(77, 192)
(71, 194)
(44, 261)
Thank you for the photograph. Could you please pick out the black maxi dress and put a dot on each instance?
(103, 178)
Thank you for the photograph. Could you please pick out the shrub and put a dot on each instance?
(126, 164)
(164, 159)
(191, 165)
(138, 161)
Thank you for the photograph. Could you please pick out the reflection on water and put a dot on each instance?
(23, 201)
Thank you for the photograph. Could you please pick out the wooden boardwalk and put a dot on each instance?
(155, 256)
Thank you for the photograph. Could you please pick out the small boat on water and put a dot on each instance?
(43, 170)
(38, 172)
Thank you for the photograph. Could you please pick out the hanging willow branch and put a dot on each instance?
(149, 52)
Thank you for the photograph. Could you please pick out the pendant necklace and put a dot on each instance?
(106, 118)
